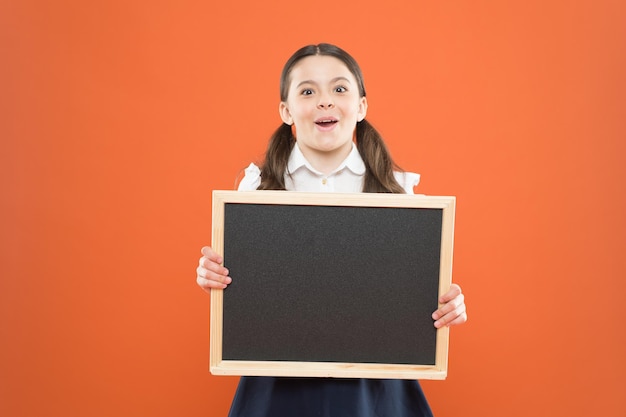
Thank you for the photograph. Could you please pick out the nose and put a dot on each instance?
(325, 102)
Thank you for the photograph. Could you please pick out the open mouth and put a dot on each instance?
(325, 122)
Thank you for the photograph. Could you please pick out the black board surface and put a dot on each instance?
(331, 283)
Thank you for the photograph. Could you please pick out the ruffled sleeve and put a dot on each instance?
(407, 180)
(251, 179)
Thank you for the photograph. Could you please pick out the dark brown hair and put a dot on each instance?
(379, 166)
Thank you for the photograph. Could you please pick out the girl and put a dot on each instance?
(326, 145)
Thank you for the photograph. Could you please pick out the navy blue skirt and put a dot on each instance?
(328, 397)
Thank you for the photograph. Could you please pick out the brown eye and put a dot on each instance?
(340, 89)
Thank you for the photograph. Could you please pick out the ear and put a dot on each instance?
(362, 109)
(285, 115)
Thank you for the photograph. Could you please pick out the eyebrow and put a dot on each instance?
(334, 80)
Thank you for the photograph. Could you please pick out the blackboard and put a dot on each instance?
(339, 285)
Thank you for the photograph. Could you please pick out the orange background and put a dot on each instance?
(118, 118)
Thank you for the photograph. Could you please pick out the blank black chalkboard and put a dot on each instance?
(325, 280)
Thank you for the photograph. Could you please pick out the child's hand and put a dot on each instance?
(211, 274)
(452, 312)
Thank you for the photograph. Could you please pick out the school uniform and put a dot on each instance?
(327, 397)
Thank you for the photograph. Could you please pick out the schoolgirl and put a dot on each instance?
(325, 144)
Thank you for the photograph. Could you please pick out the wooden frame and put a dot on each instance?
(221, 362)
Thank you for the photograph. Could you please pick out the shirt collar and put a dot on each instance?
(353, 162)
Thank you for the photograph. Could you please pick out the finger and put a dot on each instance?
(462, 318)
(452, 293)
(452, 318)
(213, 276)
(449, 307)
(459, 318)
(209, 253)
(207, 285)
(211, 265)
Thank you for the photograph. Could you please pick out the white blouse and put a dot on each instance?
(301, 176)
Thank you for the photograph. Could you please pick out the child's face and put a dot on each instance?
(324, 104)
